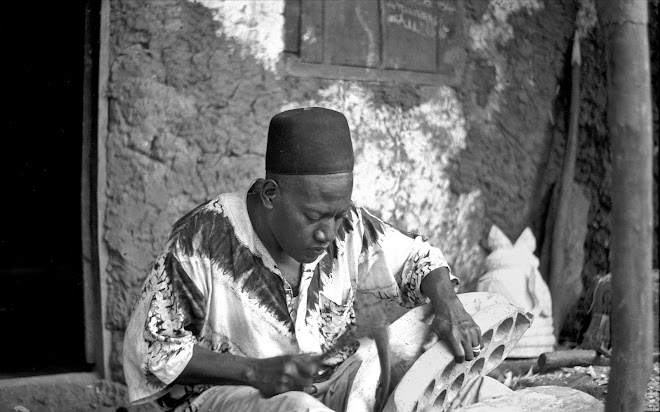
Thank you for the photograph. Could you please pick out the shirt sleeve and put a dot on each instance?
(162, 331)
(393, 263)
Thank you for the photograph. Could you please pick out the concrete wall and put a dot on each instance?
(194, 84)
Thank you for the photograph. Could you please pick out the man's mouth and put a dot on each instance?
(318, 250)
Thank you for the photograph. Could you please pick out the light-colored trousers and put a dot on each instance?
(247, 398)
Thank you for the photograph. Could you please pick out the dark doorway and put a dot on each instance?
(41, 280)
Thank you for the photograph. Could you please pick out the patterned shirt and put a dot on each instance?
(215, 285)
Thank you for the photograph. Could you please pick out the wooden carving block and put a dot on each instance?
(407, 336)
(435, 379)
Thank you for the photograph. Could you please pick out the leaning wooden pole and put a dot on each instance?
(624, 24)
(565, 279)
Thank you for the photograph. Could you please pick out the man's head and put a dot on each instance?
(309, 180)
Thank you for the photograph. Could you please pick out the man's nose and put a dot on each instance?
(326, 232)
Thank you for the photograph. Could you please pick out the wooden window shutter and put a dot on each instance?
(418, 41)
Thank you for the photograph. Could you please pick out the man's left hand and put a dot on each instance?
(452, 323)
(458, 330)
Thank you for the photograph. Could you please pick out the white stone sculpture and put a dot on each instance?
(512, 270)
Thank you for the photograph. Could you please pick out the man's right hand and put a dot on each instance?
(280, 374)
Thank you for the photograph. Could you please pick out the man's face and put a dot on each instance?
(308, 212)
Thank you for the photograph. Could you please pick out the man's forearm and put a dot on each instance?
(208, 367)
(438, 287)
(270, 375)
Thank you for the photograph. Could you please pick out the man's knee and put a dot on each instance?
(247, 398)
(299, 401)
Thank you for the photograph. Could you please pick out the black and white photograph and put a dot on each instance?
(330, 205)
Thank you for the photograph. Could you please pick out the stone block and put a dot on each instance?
(435, 379)
(538, 399)
(408, 341)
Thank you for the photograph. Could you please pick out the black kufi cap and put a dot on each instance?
(309, 141)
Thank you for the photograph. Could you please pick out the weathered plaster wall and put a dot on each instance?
(194, 84)
(517, 57)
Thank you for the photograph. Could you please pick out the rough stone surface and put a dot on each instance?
(194, 84)
(539, 399)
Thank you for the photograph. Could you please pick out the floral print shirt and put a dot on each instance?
(215, 285)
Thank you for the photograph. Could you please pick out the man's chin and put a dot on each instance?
(306, 260)
(307, 257)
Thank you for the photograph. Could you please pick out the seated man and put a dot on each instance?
(250, 305)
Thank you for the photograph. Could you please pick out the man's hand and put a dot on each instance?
(271, 375)
(452, 323)
(458, 330)
(280, 374)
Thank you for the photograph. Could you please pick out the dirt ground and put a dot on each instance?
(81, 394)
(75, 392)
(590, 379)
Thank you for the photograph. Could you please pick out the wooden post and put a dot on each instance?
(103, 351)
(624, 24)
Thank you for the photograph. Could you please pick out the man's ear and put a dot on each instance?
(269, 191)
